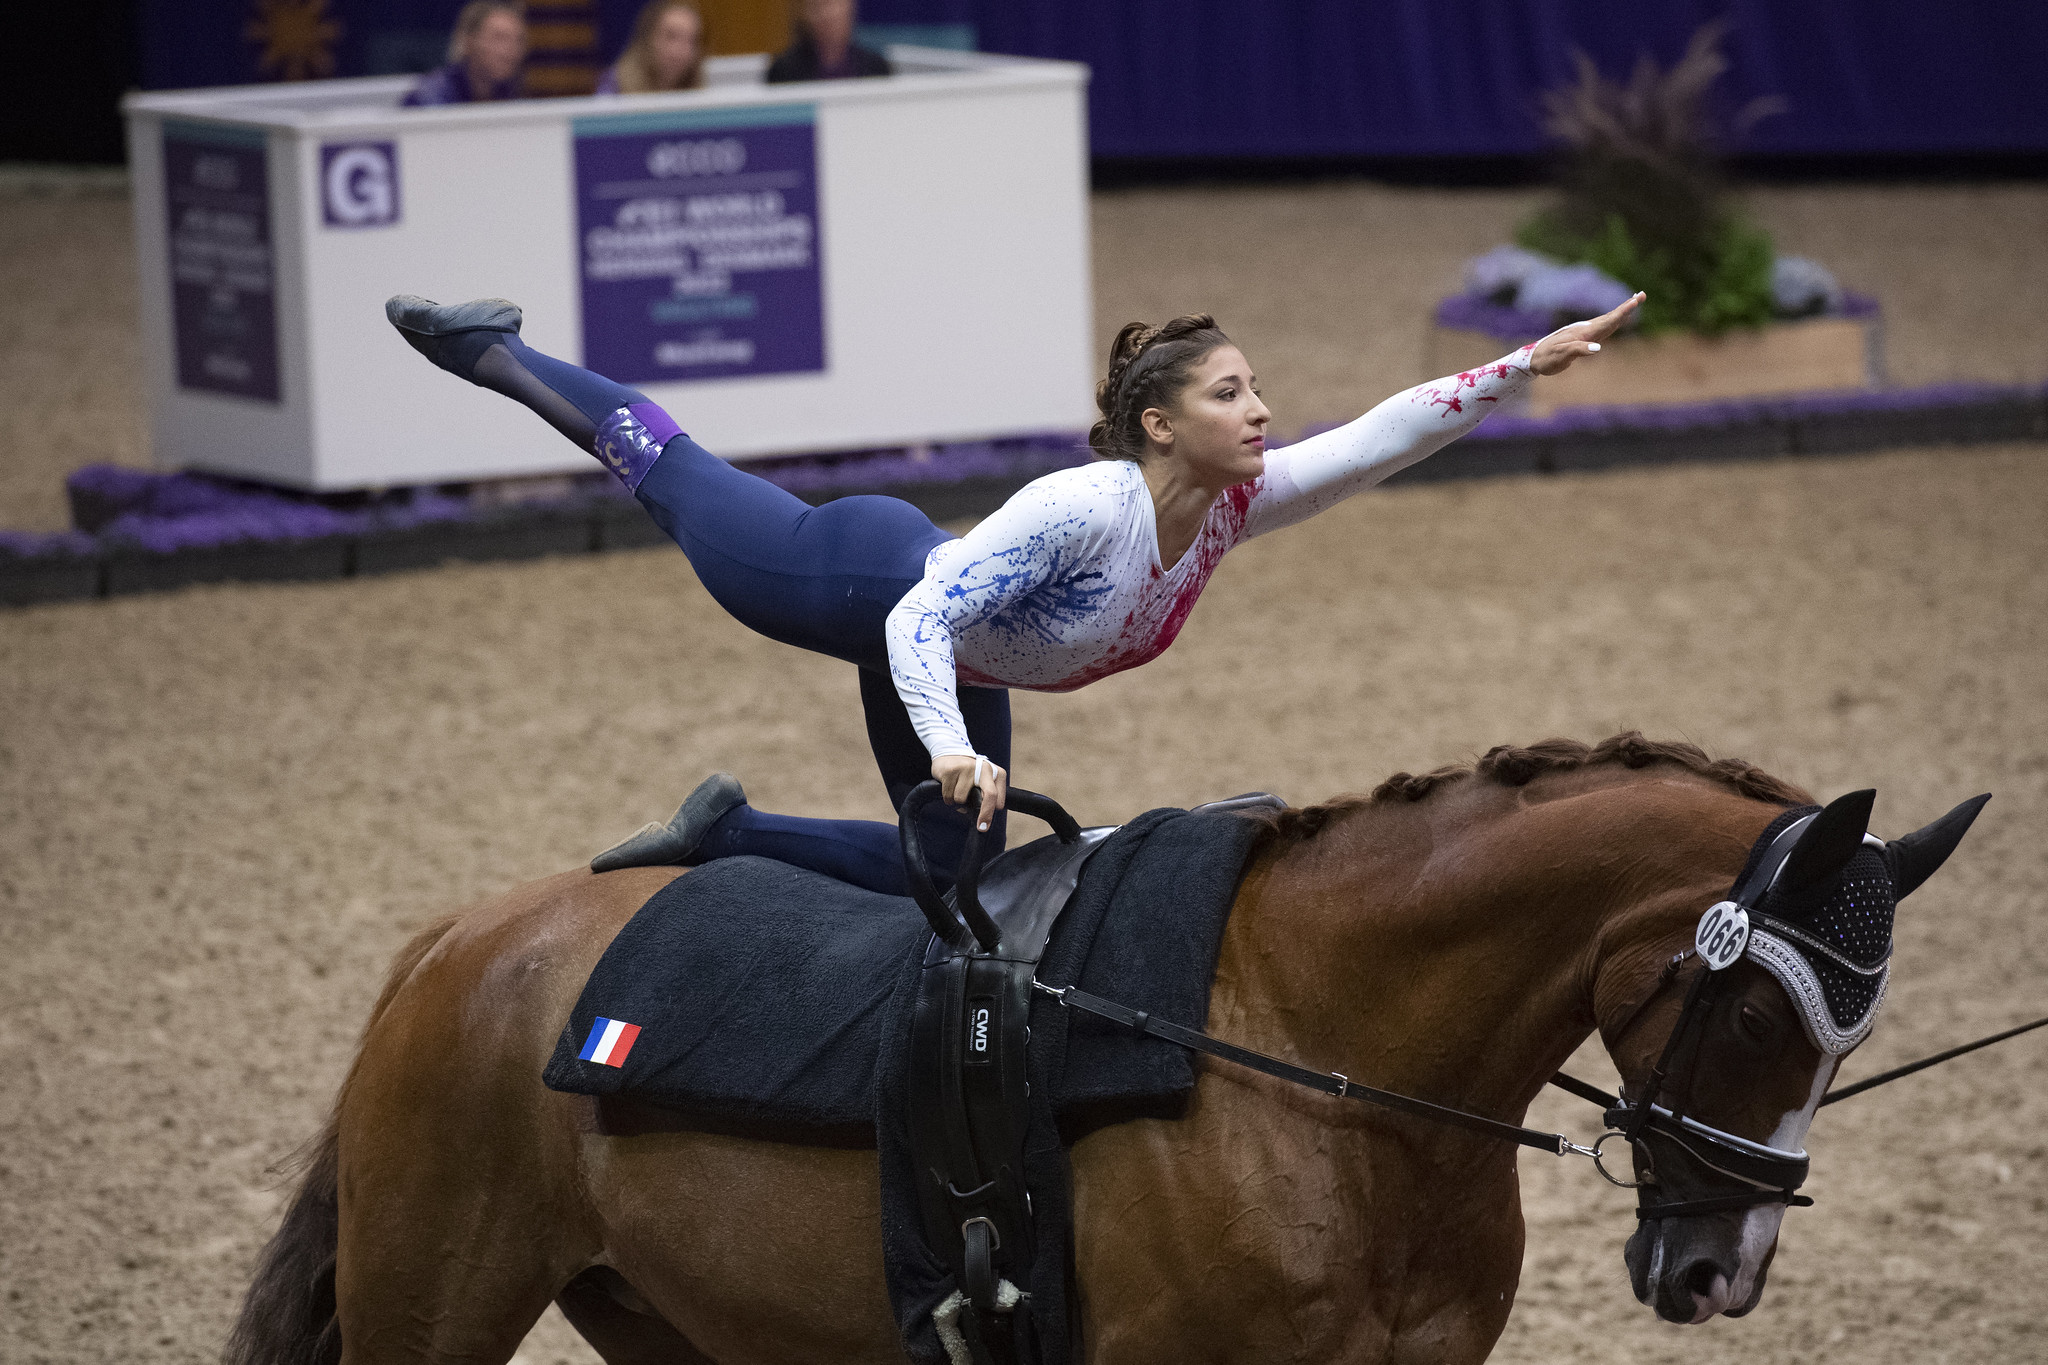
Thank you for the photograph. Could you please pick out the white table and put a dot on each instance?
(826, 266)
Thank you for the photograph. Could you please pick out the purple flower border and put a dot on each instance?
(1722, 413)
(1470, 313)
(121, 512)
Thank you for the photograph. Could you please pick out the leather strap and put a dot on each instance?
(1703, 985)
(1572, 1085)
(1725, 1203)
(978, 1279)
(1896, 1072)
(1329, 1082)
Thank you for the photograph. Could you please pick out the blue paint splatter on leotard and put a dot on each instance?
(1064, 596)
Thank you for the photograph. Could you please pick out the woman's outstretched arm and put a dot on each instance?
(1313, 475)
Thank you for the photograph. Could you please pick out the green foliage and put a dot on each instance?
(1698, 285)
(1641, 196)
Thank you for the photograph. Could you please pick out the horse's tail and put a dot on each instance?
(288, 1316)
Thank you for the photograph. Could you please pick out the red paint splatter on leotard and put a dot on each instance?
(1465, 379)
(1157, 620)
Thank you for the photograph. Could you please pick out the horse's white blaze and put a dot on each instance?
(1760, 1225)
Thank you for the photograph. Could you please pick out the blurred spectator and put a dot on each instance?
(484, 56)
(666, 51)
(824, 49)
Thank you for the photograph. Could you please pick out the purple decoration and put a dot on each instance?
(1571, 293)
(1803, 288)
(1499, 274)
(1724, 412)
(278, 520)
(129, 510)
(1509, 324)
(1546, 295)
(630, 440)
(1727, 412)
(862, 470)
(45, 544)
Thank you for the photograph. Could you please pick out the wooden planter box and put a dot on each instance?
(1682, 367)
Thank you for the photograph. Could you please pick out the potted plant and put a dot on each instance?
(1642, 204)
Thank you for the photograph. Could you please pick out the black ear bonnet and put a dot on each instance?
(1821, 891)
(1829, 947)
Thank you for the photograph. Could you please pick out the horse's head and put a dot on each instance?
(1737, 1060)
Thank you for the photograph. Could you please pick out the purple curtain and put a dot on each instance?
(1305, 78)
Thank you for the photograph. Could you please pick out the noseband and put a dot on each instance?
(1773, 1173)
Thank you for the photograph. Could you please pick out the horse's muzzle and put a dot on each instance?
(1688, 1270)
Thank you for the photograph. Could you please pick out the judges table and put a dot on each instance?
(835, 265)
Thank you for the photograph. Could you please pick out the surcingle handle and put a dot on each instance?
(970, 924)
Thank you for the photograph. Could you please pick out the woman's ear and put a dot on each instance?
(1158, 426)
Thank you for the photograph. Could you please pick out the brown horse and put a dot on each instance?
(1454, 936)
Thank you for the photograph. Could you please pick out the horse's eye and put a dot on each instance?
(1756, 1024)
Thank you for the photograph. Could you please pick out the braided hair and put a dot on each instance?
(1148, 368)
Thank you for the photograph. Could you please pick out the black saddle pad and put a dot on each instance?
(759, 992)
(756, 998)
(751, 997)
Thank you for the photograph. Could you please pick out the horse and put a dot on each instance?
(1454, 936)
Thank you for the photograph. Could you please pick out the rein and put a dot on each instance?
(1774, 1174)
(1654, 1118)
(1328, 1082)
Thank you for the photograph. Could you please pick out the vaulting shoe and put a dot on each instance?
(452, 335)
(673, 843)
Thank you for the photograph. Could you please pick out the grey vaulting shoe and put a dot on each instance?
(673, 843)
(452, 335)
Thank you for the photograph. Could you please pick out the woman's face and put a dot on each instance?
(830, 24)
(495, 50)
(1218, 428)
(674, 46)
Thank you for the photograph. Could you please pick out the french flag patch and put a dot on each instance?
(610, 1041)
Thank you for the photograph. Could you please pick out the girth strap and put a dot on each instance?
(1329, 1082)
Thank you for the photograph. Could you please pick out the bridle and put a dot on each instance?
(1773, 1175)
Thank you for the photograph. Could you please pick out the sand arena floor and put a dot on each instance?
(222, 810)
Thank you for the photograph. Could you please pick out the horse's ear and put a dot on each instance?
(1828, 844)
(1913, 859)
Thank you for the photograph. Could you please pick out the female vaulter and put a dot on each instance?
(1083, 573)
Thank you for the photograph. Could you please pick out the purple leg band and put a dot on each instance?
(629, 441)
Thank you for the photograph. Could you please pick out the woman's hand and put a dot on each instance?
(1557, 351)
(960, 774)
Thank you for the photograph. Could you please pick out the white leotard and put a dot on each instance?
(1062, 585)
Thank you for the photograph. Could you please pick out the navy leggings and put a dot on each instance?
(820, 578)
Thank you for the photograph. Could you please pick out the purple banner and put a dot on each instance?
(223, 296)
(699, 238)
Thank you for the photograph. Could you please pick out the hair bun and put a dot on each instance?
(1122, 396)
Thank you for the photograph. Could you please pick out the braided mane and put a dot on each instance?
(1510, 765)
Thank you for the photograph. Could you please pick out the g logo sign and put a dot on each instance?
(359, 184)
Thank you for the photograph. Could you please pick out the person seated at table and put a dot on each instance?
(484, 57)
(666, 51)
(824, 49)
